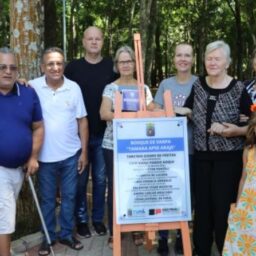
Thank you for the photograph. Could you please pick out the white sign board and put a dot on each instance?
(151, 173)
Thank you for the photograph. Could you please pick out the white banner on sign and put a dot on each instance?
(151, 170)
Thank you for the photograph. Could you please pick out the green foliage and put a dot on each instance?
(104, 14)
(4, 23)
(196, 21)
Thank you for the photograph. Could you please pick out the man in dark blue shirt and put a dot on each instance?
(21, 133)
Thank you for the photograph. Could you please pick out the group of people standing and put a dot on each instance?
(60, 136)
(65, 131)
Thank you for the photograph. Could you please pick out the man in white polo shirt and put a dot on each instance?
(64, 152)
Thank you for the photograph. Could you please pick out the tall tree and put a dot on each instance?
(26, 29)
(201, 34)
(250, 7)
(147, 31)
(157, 72)
(4, 23)
(236, 10)
(72, 46)
(26, 26)
(50, 23)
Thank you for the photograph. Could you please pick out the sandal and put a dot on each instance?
(44, 249)
(73, 243)
(110, 242)
(138, 238)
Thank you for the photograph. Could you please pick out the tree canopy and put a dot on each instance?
(162, 24)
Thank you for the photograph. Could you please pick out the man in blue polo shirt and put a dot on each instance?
(21, 133)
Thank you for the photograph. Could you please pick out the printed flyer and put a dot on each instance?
(151, 170)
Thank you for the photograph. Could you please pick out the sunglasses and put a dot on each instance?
(12, 68)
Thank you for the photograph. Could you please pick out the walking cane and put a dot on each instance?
(40, 214)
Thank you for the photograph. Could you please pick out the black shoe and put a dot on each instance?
(178, 247)
(194, 253)
(83, 230)
(99, 228)
(72, 243)
(163, 248)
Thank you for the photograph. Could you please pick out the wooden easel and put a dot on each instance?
(149, 228)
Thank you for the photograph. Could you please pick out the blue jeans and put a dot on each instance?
(63, 173)
(96, 160)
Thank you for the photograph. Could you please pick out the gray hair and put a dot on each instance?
(219, 44)
(122, 49)
(50, 50)
(6, 50)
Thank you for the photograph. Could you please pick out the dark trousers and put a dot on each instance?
(98, 172)
(165, 233)
(108, 156)
(216, 187)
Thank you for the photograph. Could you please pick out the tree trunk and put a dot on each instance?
(239, 45)
(26, 27)
(132, 11)
(150, 44)
(4, 24)
(50, 23)
(201, 38)
(158, 57)
(147, 31)
(250, 7)
(71, 29)
(239, 40)
(166, 57)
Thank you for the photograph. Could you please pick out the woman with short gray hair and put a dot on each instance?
(216, 101)
(219, 44)
(124, 65)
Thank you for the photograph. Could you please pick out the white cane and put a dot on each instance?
(31, 184)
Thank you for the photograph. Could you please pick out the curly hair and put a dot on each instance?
(250, 139)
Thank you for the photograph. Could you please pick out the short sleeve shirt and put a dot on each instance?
(19, 109)
(109, 92)
(61, 109)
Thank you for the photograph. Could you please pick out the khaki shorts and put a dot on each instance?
(10, 184)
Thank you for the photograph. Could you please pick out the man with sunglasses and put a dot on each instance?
(21, 133)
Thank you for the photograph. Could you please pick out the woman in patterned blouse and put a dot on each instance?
(251, 84)
(216, 102)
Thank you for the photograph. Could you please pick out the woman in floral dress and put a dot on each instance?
(241, 234)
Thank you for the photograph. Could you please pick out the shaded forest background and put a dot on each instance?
(30, 26)
(162, 24)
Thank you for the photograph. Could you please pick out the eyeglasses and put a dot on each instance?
(124, 62)
(12, 68)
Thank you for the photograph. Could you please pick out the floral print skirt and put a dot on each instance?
(241, 233)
